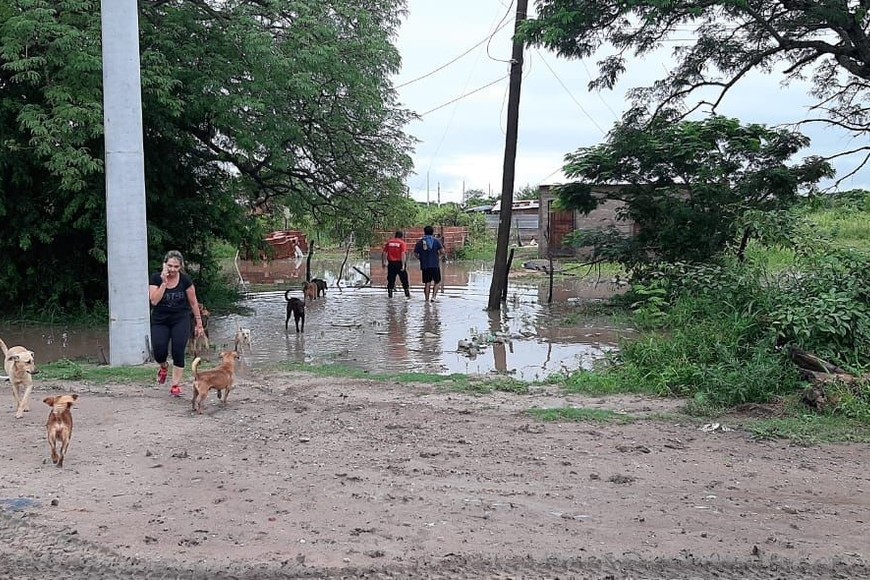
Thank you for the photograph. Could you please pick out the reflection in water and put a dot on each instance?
(499, 349)
(397, 315)
(360, 326)
(430, 333)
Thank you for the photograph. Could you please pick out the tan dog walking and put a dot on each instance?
(20, 367)
(60, 425)
(309, 290)
(220, 379)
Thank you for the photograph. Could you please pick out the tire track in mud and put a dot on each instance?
(31, 551)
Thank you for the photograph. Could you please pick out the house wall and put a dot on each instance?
(526, 221)
(601, 218)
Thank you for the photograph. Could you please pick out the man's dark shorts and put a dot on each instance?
(431, 275)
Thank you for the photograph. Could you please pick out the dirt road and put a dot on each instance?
(299, 476)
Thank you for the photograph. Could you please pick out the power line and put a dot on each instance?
(602, 99)
(494, 28)
(576, 102)
(501, 24)
(460, 97)
(486, 40)
(540, 181)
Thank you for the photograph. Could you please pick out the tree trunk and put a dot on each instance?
(308, 261)
(341, 270)
(821, 374)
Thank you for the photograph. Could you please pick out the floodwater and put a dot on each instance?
(357, 325)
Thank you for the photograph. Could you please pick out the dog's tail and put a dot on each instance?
(3, 346)
(195, 365)
(286, 296)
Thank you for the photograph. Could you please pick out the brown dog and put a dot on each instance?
(60, 425)
(220, 379)
(197, 343)
(309, 290)
(20, 367)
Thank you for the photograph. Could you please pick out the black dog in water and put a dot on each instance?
(296, 308)
(321, 286)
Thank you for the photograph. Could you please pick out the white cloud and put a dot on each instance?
(463, 142)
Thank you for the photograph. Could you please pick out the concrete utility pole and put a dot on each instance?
(129, 325)
(499, 269)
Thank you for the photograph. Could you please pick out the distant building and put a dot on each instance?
(524, 219)
(555, 224)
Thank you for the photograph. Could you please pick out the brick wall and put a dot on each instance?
(452, 237)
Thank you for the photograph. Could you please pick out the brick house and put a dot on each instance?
(555, 224)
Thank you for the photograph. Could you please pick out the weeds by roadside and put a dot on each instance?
(67, 370)
(576, 414)
(453, 382)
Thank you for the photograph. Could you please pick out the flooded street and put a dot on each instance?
(358, 326)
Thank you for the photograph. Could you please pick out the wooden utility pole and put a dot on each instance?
(498, 287)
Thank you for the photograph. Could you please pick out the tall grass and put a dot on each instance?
(846, 228)
(704, 349)
(716, 333)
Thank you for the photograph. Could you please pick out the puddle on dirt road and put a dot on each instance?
(357, 325)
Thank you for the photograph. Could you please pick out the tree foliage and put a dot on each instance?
(247, 106)
(478, 197)
(823, 41)
(689, 186)
(527, 192)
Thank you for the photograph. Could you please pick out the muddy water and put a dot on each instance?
(357, 325)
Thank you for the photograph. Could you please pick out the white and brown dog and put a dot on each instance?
(59, 426)
(243, 340)
(20, 367)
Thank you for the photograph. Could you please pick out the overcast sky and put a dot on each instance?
(461, 142)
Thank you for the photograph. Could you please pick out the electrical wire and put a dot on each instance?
(494, 29)
(540, 181)
(603, 100)
(460, 97)
(576, 102)
(502, 23)
(486, 40)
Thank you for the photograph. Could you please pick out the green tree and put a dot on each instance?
(247, 106)
(527, 192)
(689, 186)
(824, 41)
(477, 197)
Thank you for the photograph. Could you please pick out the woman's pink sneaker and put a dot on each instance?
(175, 391)
(161, 375)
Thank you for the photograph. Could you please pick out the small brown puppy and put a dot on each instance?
(219, 379)
(60, 425)
(309, 290)
(296, 309)
(20, 366)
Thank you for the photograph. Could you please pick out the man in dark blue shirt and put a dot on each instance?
(429, 251)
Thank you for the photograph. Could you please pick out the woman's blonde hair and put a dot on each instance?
(174, 254)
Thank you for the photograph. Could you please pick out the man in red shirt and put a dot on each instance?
(394, 258)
